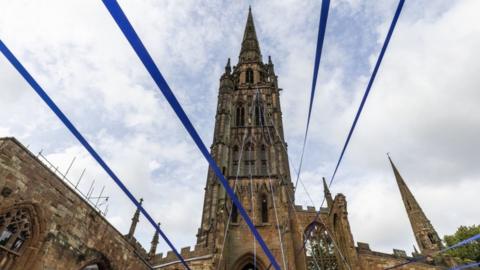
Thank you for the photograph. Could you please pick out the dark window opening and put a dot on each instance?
(264, 206)
(249, 266)
(234, 213)
(249, 76)
(240, 117)
(432, 238)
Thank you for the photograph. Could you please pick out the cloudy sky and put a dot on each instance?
(423, 107)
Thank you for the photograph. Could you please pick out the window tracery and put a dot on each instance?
(320, 248)
(15, 233)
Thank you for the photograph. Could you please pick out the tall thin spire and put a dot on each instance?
(250, 51)
(135, 220)
(327, 194)
(426, 236)
(153, 248)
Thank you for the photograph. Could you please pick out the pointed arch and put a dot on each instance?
(19, 230)
(319, 248)
(101, 263)
(247, 261)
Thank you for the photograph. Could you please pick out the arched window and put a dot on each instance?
(240, 116)
(319, 248)
(15, 233)
(249, 76)
(264, 208)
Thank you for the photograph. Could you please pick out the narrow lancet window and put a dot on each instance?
(240, 117)
(264, 208)
(249, 76)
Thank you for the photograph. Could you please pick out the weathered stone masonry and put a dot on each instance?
(65, 231)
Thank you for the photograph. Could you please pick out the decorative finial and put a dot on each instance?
(228, 69)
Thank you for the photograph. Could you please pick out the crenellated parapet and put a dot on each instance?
(165, 261)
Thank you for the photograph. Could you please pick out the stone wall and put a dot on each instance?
(67, 233)
(372, 260)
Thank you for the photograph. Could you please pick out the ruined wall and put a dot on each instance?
(67, 233)
(372, 260)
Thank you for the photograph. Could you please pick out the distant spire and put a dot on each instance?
(135, 220)
(250, 50)
(426, 236)
(228, 68)
(327, 194)
(415, 251)
(153, 248)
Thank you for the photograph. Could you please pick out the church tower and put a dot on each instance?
(426, 236)
(249, 146)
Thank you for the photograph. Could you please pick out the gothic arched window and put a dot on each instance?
(264, 208)
(240, 116)
(320, 249)
(249, 76)
(15, 233)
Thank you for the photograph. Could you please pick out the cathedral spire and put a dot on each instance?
(250, 51)
(426, 236)
(135, 220)
(326, 192)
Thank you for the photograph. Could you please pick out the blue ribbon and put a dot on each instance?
(367, 91)
(132, 37)
(322, 25)
(470, 265)
(461, 243)
(44, 96)
(369, 86)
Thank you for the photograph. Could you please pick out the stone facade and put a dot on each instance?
(54, 228)
(61, 230)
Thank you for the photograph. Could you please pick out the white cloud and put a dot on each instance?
(422, 107)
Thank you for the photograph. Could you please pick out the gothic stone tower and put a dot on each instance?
(247, 145)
